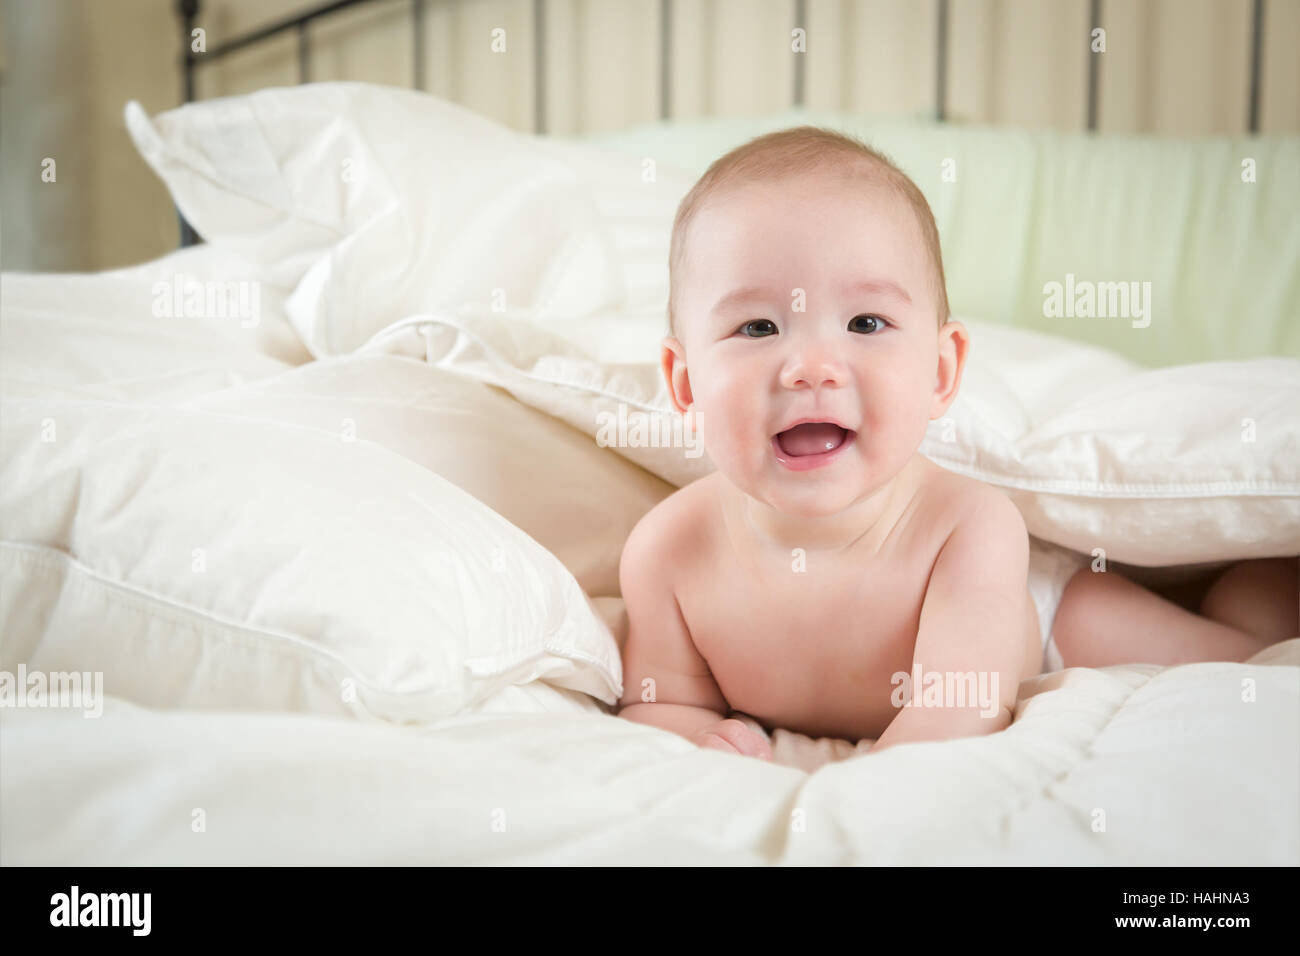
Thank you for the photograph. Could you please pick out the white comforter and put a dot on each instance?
(223, 738)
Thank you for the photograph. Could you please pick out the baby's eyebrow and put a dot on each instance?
(738, 296)
(883, 287)
(866, 286)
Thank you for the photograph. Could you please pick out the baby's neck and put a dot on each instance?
(865, 524)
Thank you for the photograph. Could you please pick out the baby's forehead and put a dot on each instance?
(850, 199)
(789, 216)
(834, 237)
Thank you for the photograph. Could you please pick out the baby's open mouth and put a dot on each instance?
(811, 438)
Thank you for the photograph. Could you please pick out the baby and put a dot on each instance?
(826, 570)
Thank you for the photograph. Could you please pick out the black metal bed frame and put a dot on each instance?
(189, 11)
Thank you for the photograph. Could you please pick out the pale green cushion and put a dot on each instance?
(1028, 207)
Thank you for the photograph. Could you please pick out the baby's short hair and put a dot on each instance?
(790, 152)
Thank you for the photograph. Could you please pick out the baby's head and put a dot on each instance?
(806, 286)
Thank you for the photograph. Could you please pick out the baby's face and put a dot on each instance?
(810, 302)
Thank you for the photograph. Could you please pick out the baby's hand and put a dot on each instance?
(732, 736)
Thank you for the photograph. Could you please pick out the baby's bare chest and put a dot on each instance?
(813, 647)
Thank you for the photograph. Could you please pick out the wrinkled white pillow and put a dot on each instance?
(218, 559)
(378, 203)
(576, 499)
(1194, 463)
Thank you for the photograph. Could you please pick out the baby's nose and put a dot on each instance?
(813, 368)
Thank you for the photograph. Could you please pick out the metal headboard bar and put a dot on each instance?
(304, 54)
(665, 58)
(539, 66)
(1094, 64)
(941, 62)
(189, 11)
(1256, 43)
(417, 45)
(800, 20)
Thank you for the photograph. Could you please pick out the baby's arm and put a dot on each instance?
(667, 683)
(972, 621)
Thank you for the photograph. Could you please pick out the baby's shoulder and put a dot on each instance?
(959, 502)
(673, 532)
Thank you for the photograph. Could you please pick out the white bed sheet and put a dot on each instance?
(1133, 765)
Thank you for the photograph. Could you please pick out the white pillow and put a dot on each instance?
(577, 500)
(100, 332)
(378, 203)
(1188, 464)
(203, 558)
(1178, 465)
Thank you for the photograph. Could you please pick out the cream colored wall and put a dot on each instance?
(1174, 67)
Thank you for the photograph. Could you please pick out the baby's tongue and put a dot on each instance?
(811, 438)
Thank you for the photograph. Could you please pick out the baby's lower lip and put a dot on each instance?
(810, 462)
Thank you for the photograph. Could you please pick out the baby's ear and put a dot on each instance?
(954, 342)
(673, 363)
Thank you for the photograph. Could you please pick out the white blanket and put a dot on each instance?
(1134, 765)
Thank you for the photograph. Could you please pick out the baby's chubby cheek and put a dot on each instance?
(892, 419)
(732, 426)
(893, 425)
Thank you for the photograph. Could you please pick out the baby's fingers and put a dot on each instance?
(713, 741)
(744, 740)
(762, 749)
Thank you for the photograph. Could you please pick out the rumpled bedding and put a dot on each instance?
(387, 721)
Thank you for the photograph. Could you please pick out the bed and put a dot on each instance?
(317, 511)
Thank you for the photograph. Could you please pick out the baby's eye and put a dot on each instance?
(866, 324)
(758, 328)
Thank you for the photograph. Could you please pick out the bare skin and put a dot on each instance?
(812, 650)
(796, 586)
(1104, 618)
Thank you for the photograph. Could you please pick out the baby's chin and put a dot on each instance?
(810, 503)
(804, 496)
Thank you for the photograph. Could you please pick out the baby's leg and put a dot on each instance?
(1105, 619)
(1258, 597)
